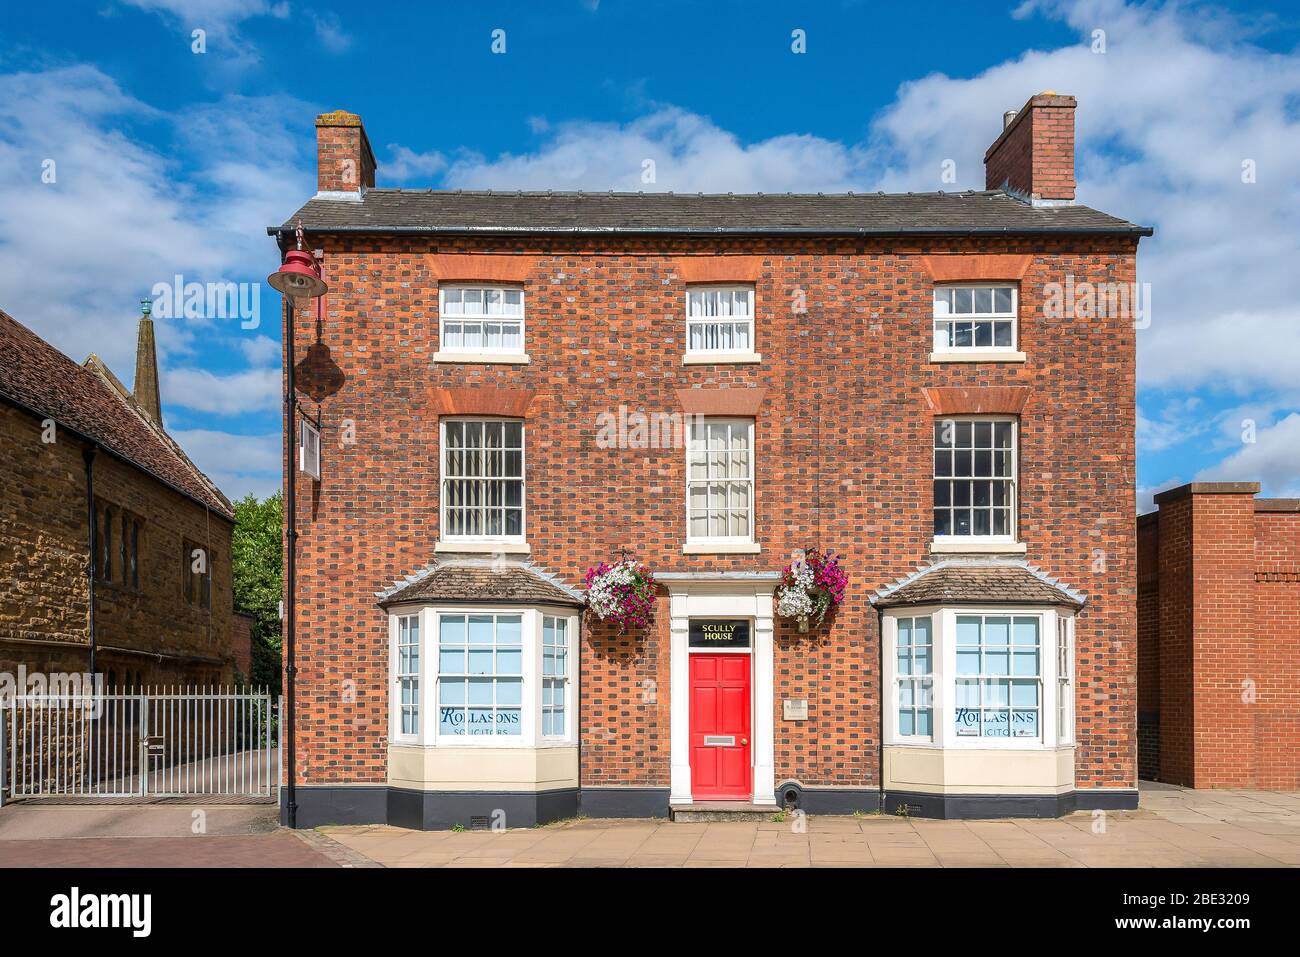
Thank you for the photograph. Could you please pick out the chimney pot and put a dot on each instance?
(1007, 117)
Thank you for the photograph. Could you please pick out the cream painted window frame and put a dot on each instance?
(531, 709)
(944, 688)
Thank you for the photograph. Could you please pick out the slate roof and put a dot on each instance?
(978, 582)
(482, 580)
(471, 211)
(87, 399)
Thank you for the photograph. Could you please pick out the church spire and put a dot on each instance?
(146, 368)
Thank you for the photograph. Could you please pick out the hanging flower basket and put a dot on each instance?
(810, 587)
(622, 593)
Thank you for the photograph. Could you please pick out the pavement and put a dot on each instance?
(1173, 827)
(168, 834)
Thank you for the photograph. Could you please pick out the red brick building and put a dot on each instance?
(149, 579)
(1219, 638)
(931, 385)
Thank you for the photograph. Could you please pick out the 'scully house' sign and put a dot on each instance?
(719, 633)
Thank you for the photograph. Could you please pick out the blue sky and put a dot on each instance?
(169, 161)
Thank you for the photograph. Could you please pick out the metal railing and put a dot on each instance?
(160, 742)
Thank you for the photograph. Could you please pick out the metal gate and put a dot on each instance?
(155, 743)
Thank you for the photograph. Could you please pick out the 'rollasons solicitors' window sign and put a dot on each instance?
(997, 724)
(478, 721)
(719, 633)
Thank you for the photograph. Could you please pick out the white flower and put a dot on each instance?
(603, 596)
(795, 600)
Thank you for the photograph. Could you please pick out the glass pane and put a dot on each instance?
(923, 722)
(451, 662)
(963, 300)
(1025, 724)
(905, 725)
(480, 629)
(480, 661)
(1002, 334)
(1026, 631)
(1002, 299)
(508, 721)
(480, 691)
(510, 691)
(997, 631)
(968, 630)
(942, 301)
(451, 691)
(984, 300)
(510, 662)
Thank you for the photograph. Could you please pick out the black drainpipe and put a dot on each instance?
(88, 455)
(880, 679)
(577, 700)
(290, 503)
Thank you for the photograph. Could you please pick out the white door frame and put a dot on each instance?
(699, 595)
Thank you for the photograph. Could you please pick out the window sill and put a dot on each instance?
(483, 548)
(721, 358)
(991, 356)
(483, 358)
(721, 548)
(977, 547)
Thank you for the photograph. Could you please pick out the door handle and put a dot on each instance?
(744, 740)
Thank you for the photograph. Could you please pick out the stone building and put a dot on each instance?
(73, 439)
(925, 384)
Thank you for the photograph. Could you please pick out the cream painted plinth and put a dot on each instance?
(482, 769)
(979, 771)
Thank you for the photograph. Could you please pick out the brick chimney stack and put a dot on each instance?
(345, 164)
(1034, 156)
(145, 387)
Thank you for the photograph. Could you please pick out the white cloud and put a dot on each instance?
(1273, 460)
(404, 164)
(259, 350)
(238, 464)
(688, 153)
(252, 390)
(220, 21)
(82, 250)
(329, 31)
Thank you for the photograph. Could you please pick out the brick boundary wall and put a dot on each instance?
(1219, 638)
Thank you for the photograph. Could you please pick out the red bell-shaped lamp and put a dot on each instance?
(298, 275)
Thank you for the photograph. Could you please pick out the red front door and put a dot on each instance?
(720, 766)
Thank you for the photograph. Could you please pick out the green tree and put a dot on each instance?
(257, 568)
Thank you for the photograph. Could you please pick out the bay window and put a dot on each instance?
(998, 685)
(408, 675)
(555, 675)
(483, 480)
(480, 674)
(974, 479)
(720, 481)
(1065, 677)
(483, 676)
(481, 319)
(979, 678)
(719, 319)
(914, 677)
(974, 318)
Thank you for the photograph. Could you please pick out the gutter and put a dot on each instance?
(804, 231)
(92, 545)
(115, 649)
